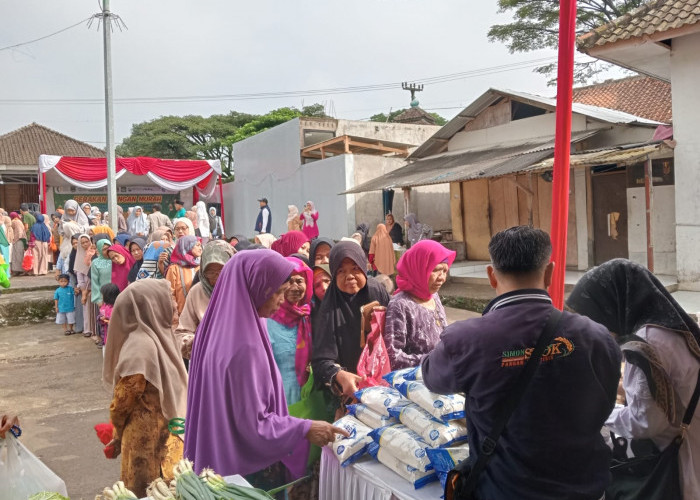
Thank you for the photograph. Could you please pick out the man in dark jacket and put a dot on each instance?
(552, 447)
(264, 222)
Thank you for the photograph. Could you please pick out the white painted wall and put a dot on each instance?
(662, 224)
(685, 69)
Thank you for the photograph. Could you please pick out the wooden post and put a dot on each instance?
(347, 145)
(406, 201)
(456, 211)
(649, 199)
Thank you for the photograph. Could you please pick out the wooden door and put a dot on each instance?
(609, 216)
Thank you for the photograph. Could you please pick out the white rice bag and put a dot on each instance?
(396, 378)
(417, 478)
(446, 459)
(380, 399)
(414, 374)
(349, 449)
(404, 444)
(435, 432)
(370, 417)
(448, 407)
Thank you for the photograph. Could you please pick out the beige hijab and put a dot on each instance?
(265, 239)
(383, 250)
(141, 341)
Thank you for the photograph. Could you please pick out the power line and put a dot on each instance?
(46, 36)
(293, 93)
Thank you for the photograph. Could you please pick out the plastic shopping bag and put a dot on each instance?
(374, 360)
(315, 404)
(22, 474)
(28, 260)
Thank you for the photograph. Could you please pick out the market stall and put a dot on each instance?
(150, 177)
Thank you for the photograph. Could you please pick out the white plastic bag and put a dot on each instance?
(434, 431)
(349, 449)
(22, 474)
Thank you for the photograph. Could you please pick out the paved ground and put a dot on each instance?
(53, 383)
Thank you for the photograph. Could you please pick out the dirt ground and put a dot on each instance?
(53, 383)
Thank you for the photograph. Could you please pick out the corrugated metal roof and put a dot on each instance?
(436, 143)
(475, 163)
(620, 155)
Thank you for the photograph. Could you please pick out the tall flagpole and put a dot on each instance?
(109, 118)
(562, 147)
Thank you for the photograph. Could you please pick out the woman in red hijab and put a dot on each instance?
(292, 242)
(122, 262)
(415, 317)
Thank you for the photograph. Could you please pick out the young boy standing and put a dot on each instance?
(65, 304)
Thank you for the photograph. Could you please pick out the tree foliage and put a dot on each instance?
(536, 26)
(194, 137)
(382, 117)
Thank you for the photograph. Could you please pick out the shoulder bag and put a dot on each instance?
(462, 480)
(653, 476)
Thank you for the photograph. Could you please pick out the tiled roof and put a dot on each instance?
(656, 16)
(639, 95)
(24, 145)
(416, 116)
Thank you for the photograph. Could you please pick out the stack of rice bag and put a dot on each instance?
(412, 431)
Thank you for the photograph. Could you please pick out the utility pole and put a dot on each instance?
(109, 118)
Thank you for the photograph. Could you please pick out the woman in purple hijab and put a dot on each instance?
(237, 419)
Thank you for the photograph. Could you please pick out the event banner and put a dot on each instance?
(125, 200)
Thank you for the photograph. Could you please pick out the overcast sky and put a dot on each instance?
(225, 47)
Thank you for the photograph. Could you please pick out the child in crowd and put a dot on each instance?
(110, 291)
(65, 304)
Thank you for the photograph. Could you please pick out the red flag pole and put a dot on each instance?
(562, 147)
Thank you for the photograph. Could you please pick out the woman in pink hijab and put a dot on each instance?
(415, 317)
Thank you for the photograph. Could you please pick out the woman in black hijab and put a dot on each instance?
(136, 248)
(321, 248)
(363, 229)
(660, 343)
(336, 337)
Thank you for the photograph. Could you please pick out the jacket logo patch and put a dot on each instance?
(559, 348)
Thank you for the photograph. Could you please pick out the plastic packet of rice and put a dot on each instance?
(380, 399)
(417, 478)
(446, 459)
(435, 432)
(396, 378)
(404, 444)
(370, 417)
(348, 449)
(414, 373)
(442, 407)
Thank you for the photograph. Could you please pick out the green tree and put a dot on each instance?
(382, 117)
(536, 26)
(194, 137)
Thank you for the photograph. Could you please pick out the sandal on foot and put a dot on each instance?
(68, 332)
(87, 334)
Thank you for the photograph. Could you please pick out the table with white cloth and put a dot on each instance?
(369, 480)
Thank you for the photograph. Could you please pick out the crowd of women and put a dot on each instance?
(226, 335)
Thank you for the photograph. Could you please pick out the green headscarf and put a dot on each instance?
(214, 252)
(102, 262)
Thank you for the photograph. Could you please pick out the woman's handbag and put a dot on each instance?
(462, 480)
(654, 476)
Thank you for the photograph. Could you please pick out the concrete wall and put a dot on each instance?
(662, 224)
(685, 68)
(431, 204)
(394, 132)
